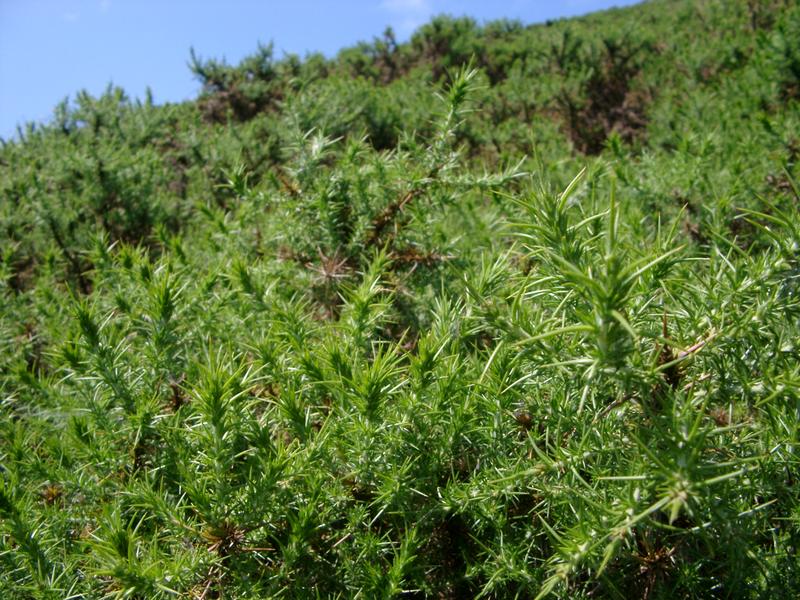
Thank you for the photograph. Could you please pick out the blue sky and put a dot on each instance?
(50, 49)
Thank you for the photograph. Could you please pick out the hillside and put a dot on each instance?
(506, 311)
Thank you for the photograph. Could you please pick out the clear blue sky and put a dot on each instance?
(50, 49)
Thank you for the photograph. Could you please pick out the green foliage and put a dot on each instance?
(502, 312)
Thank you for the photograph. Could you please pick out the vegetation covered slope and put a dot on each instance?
(503, 311)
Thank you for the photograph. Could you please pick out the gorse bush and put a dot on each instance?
(502, 312)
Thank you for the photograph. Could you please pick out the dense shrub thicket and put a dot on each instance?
(504, 311)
